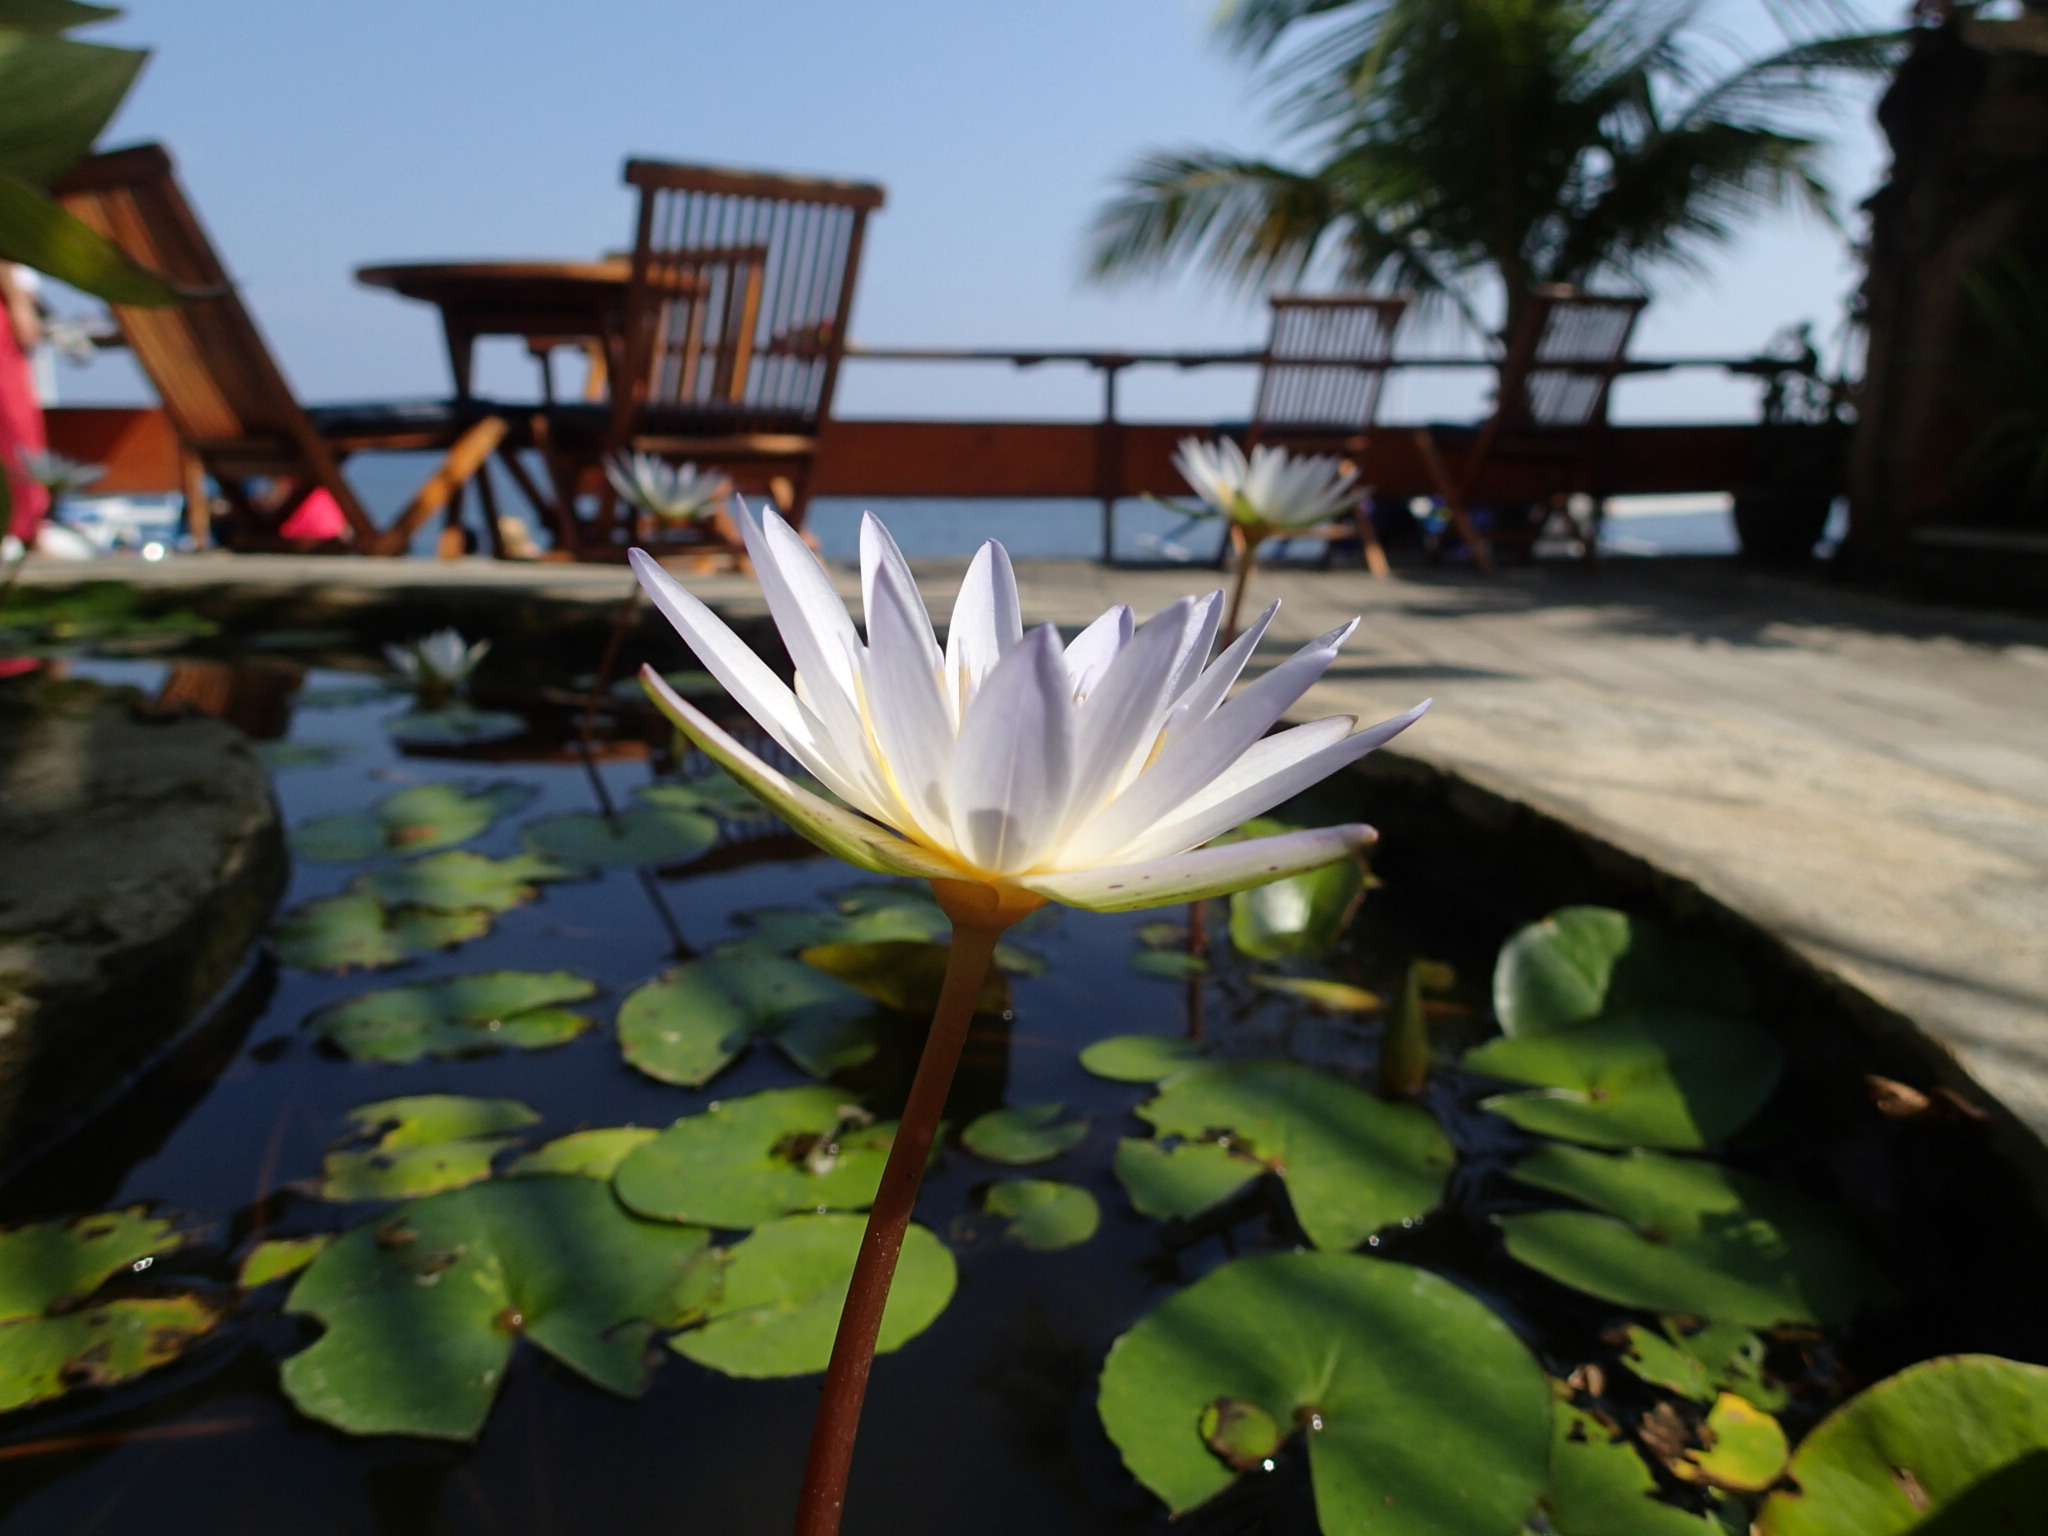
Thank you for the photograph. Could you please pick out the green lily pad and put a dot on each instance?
(422, 1308)
(417, 819)
(1423, 1412)
(904, 976)
(458, 1016)
(280, 755)
(1183, 1180)
(344, 933)
(1139, 1058)
(1584, 963)
(1023, 1133)
(1298, 918)
(1330, 996)
(786, 1284)
(690, 683)
(646, 833)
(278, 1257)
(98, 1346)
(1601, 1486)
(1161, 935)
(588, 1154)
(1743, 1448)
(1957, 1445)
(1242, 1434)
(421, 1145)
(716, 793)
(1169, 964)
(1042, 1214)
(460, 881)
(456, 725)
(1685, 1235)
(746, 1161)
(1352, 1163)
(52, 1262)
(1699, 1365)
(1674, 1079)
(688, 1025)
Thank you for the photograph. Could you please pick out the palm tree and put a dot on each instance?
(1443, 142)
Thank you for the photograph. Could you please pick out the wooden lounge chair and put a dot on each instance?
(735, 327)
(1547, 438)
(235, 415)
(1319, 389)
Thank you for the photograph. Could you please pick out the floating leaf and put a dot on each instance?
(420, 1145)
(1300, 917)
(1351, 1162)
(1601, 1486)
(1242, 1434)
(280, 755)
(343, 933)
(588, 1154)
(716, 793)
(690, 1024)
(1743, 1448)
(278, 1257)
(1584, 963)
(749, 1160)
(460, 881)
(1690, 1236)
(1717, 1357)
(1423, 1411)
(904, 976)
(422, 1307)
(1675, 1079)
(458, 1016)
(1183, 1180)
(1139, 1058)
(1331, 996)
(1023, 1133)
(1957, 1444)
(50, 1262)
(1042, 1214)
(1161, 935)
(786, 1284)
(457, 725)
(690, 683)
(45, 1357)
(646, 833)
(417, 819)
(1169, 964)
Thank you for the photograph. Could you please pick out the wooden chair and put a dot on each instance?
(735, 327)
(1319, 389)
(235, 415)
(1547, 438)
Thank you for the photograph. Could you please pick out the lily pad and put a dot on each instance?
(1169, 964)
(52, 1262)
(1298, 918)
(278, 1257)
(1743, 1448)
(1685, 1235)
(458, 1016)
(688, 1025)
(784, 1287)
(345, 933)
(1042, 1214)
(1584, 963)
(1352, 1163)
(280, 755)
(417, 819)
(460, 881)
(457, 725)
(1714, 1358)
(904, 976)
(1601, 1486)
(422, 1308)
(646, 833)
(589, 1154)
(1957, 1445)
(1330, 996)
(1023, 1133)
(421, 1145)
(1140, 1058)
(749, 1160)
(1184, 1180)
(716, 793)
(1423, 1412)
(1242, 1434)
(1674, 1079)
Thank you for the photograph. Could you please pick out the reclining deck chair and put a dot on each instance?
(234, 414)
(1547, 438)
(735, 326)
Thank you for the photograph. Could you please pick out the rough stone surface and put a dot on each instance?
(139, 859)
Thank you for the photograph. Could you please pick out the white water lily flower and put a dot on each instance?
(676, 494)
(441, 660)
(1273, 489)
(1082, 773)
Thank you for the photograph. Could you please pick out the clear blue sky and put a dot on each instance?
(316, 138)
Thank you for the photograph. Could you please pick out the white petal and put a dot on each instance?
(1207, 619)
(1214, 684)
(1117, 722)
(726, 657)
(879, 551)
(839, 832)
(813, 623)
(1276, 768)
(1014, 765)
(1205, 872)
(905, 711)
(1091, 651)
(987, 619)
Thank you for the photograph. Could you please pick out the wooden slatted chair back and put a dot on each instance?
(1326, 364)
(1561, 364)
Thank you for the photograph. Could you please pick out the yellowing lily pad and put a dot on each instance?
(1743, 1448)
(746, 1161)
(278, 1257)
(458, 1016)
(421, 1145)
(691, 1023)
(649, 832)
(904, 976)
(51, 1262)
(417, 819)
(1330, 996)
(1601, 1486)
(592, 1154)
(459, 881)
(1139, 1058)
(357, 932)
(784, 1287)
(1023, 1133)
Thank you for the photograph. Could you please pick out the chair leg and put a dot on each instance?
(1369, 540)
(462, 461)
(494, 527)
(1453, 498)
(198, 505)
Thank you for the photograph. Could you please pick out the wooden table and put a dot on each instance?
(567, 299)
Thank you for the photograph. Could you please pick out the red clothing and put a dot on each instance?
(21, 428)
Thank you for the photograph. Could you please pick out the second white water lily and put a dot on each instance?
(1272, 490)
(1088, 773)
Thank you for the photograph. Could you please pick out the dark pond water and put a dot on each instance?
(984, 1423)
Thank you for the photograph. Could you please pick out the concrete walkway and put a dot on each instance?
(1867, 779)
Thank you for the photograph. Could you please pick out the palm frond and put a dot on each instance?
(1251, 222)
